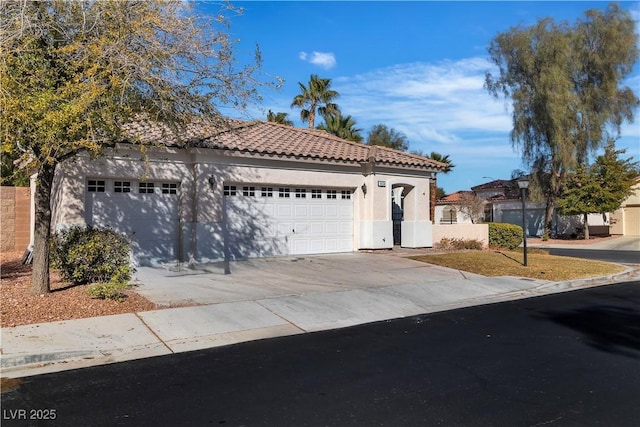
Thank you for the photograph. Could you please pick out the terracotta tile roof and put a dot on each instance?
(493, 185)
(453, 198)
(509, 189)
(270, 138)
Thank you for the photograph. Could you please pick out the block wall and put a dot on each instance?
(15, 213)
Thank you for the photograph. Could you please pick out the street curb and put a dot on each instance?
(590, 281)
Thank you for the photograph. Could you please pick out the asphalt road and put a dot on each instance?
(624, 257)
(570, 359)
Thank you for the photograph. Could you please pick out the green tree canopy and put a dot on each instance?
(73, 72)
(316, 98)
(341, 126)
(599, 188)
(565, 86)
(281, 118)
(387, 137)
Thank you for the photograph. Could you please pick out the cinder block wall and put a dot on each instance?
(14, 218)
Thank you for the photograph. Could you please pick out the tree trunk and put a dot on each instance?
(42, 230)
(312, 117)
(548, 218)
(433, 189)
(586, 227)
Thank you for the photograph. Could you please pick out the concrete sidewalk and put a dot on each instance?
(251, 306)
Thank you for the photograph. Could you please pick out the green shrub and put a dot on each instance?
(111, 290)
(503, 235)
(459, 244)
(93, 255)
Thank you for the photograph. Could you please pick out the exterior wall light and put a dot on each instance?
(364, 189)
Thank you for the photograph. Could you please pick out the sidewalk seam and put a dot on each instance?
(155, 334)
(277, 315)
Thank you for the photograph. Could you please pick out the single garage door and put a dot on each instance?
(265, 220)
(147, 212)
(535, 220)
(632, 221)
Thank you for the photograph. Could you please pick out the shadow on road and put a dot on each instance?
(612, 329)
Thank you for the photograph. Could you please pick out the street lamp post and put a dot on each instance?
(523, 184)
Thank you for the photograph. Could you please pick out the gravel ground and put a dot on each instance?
(19, 307)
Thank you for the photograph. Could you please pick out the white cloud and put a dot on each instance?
(326, 60)
(427, 102)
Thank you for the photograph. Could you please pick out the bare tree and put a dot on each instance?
(472, 206)
(72, 73)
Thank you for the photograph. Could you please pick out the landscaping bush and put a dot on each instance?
(458, 244)
(93, 255)
(502, 235)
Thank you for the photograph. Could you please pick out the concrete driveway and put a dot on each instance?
(260, 278)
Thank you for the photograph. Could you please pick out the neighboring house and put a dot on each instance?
(503, 204)
(255, 189)
(448, 209)
(626, 220)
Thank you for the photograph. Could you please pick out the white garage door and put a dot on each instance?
(147, 212)
(272, 220)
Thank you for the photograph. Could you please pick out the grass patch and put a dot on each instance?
(504, 263)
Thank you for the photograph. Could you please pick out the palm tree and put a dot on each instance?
(342, 127)
(318, 97)
(442, 159)
(279, 118)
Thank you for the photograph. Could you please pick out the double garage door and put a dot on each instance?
(262, 220)
(274, 220)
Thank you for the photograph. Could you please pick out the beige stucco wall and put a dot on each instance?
(462, 231)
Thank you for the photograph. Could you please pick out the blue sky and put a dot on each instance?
(417, 67)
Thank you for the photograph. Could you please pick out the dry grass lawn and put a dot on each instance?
(503, 263)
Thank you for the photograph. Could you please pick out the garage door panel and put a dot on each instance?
(301, 211)
(345, 227)
(344, 244)
(316, 228)
(316, 211)
(331, 245)
(331, 212)
(316, 246)
(346, 211)
(269, 210)
(331, 228)
(300, 246)
(284, 211)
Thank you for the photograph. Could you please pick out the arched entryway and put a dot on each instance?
(400, 210)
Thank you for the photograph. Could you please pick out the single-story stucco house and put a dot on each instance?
(503, 203)
(253, 189)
